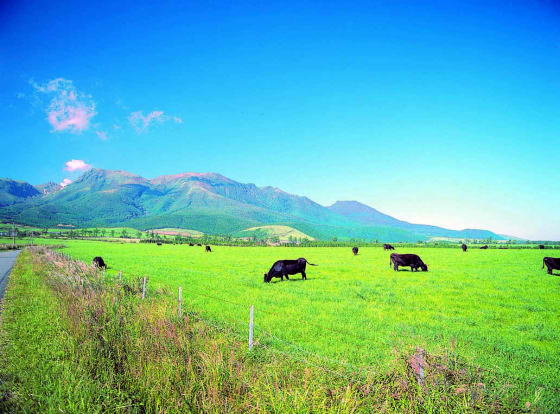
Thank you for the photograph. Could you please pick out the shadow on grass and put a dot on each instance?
(408, 270)
(291, 280)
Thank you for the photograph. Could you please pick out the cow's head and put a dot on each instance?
(267, 278)
(424, 267)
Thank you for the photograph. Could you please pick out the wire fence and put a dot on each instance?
(350, 371)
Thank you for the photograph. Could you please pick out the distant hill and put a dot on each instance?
(283, 233)
(367, 215)
(12, 191)
(48, 188)
(205, 202)
(178, 232)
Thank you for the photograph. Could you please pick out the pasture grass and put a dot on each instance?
(496, 309)
(72, 340)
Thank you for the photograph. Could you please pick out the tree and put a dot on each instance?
(138, 234)
(112, 233)
(124, 234)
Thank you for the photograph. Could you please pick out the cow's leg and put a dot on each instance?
(396, 267)
(303, 275)
(549, 270)
(287, 278)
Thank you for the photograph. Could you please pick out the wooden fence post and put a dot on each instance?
(251, 326)
(179, 305)
(144, 288)
(120, 276)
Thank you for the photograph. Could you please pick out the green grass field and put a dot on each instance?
(496, 309)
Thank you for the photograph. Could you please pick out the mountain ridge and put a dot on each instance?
(208, 202)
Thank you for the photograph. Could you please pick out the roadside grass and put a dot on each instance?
(73, 341)
(35, 348)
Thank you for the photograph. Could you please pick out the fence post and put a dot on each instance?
(120, 276)
(179, 306)
(251, 326)
(144, 288)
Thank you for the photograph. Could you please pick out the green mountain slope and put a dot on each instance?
(207, 202)
(12, 191)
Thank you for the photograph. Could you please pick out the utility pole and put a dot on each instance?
(13, 235)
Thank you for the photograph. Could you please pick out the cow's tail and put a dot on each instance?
(542, 263)
(390, 261)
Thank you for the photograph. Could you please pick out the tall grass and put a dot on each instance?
(72, 341)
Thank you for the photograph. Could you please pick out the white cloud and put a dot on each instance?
(76, 165)
(141, 122)
(69, 109)
(65, 182)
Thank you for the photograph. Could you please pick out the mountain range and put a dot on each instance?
(207, 202)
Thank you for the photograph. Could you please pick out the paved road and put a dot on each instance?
(7, 260)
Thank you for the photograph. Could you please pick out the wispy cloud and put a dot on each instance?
(101, 134)
(69, 109)
(141, 122)
(65, 182)
(76, 165)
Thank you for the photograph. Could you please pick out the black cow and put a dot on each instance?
(388, 247)
(484, 247)
(552, 263)
(283, 268)
(355, 250)
(208, 249)
(198, 244)
(541, 246)
(159, 244)
(464, 247)
(191, 244)
(412, 260)
(99, 262)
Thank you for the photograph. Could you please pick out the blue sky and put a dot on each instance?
(432, 112)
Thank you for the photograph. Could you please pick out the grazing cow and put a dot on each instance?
(541, 246)
(283, 268)
(484, 247)
(191, 244)
(159, 244)
(99, 262)
(355, 250)
(208, 249)
(464, 247)
(388, 247)
(552, 263)
(198, 244)
(411, 260)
